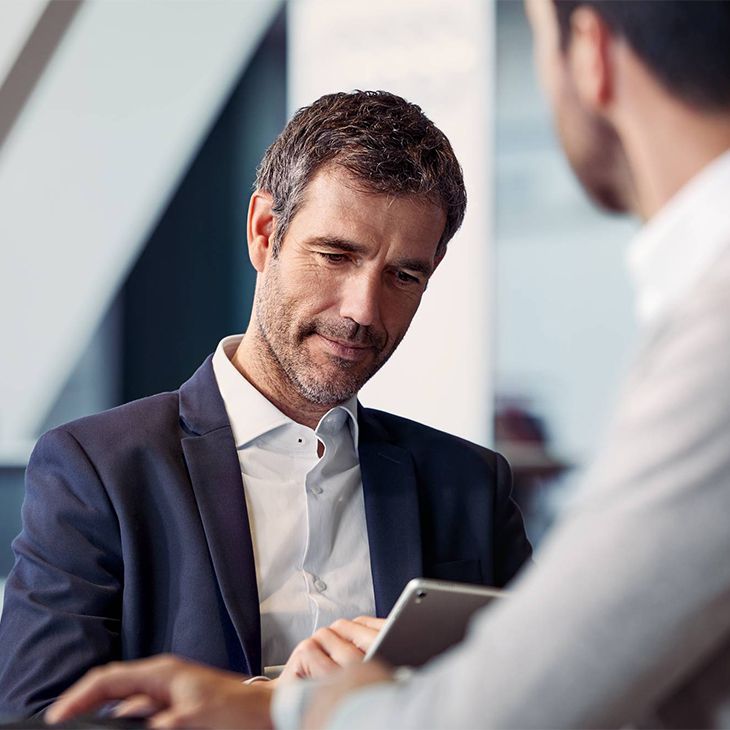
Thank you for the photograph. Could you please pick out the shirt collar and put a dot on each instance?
(251, 415)
(677, 246)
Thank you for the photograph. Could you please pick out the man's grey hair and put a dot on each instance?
(386, 143)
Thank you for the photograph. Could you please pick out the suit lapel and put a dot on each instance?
(210, 455)
(391, 512)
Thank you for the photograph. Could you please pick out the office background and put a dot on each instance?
(129, 138)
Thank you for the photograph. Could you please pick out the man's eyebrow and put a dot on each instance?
(336, 244)
(420, 266)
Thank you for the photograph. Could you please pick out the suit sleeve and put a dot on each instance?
(63, 596)
(512, 549)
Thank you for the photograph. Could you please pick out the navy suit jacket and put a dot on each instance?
(136, 541)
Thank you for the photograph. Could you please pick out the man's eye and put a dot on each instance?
(405, 278)
(333, 258)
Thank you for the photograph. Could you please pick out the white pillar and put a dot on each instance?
(438, 54)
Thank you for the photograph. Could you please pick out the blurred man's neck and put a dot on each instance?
(669, 157)
(666, 141)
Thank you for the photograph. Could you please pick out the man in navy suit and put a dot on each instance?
(227, 521)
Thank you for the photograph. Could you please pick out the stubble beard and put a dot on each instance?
(288, 353)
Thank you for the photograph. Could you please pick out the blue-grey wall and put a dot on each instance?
(192, 284)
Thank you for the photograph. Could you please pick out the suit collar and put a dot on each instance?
(215, 475)
(201, 406)
(391, 510)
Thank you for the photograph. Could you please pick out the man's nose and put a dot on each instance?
(361, 298)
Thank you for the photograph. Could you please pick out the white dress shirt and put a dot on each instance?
(677, 246)
(625, 617)
(307, 514)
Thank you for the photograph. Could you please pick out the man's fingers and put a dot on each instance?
(174, 718)
(370, 621)
(136, 706)
(115, 681)
(93, 690)
(342, 649)
(342, 644)
(310, 659)
(358, 634)
(188, 695)
(218, 701)
(317, 663)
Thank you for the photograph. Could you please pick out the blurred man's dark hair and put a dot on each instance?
(386, 143)
(685, 43)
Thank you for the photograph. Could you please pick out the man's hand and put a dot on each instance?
(342, 644)
(182, 694)
(336, 688)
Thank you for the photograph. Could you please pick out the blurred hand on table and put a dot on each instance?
(173, 692)
(177, 693)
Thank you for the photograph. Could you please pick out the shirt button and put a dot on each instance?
(314, 489)
(320, 585)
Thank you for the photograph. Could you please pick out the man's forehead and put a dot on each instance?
(336, 207)
(334, 176)
(335, 181)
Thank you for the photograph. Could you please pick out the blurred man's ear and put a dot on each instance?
(260, 229)
(589, 58)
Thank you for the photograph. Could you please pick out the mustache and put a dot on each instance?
(346, 331)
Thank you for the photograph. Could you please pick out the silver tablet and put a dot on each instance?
(428, 618)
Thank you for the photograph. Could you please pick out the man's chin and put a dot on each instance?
(330, 380)
(330, 391)
(328, 399)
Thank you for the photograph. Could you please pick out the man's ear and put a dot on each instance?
(590, 58)
(260, 229)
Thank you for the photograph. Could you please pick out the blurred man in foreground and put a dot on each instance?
(626, 617)
(232, 519)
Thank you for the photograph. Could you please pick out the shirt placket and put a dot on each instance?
(320, 525)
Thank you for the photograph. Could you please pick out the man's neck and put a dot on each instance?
(668, 175)
(253, 360)
(667, 144)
